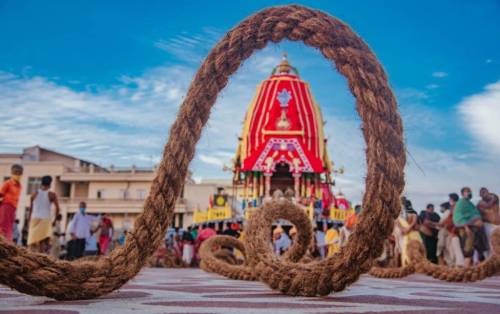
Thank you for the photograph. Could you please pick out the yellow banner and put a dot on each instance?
(340, 214)
(202, 216)
(225, 213)
(219, 213)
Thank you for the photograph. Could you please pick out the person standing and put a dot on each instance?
(79, 230)
(332, 240)
(320, 240)
(350, 223)
(91, 246)
(16, 234)
(281, 241)
(408, 225)
(397, 233)
(177, 247)
(444, 250)
(194, 232)
(55, 247)
(490, 212)
(231, 230)
(206, 233)
(40, 222)
(429, 231)
(187, 247)
(467, 219)
(122, 238)
(347, 229)
(452, 252)
(9, 193)
(107, 230)
(169, 238)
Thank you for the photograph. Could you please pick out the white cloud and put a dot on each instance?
(411, 94)
(124, 120)
(481, 116)
(431, 173)
(420, 120)
(212, 160)
(126, 123)
(439, 74)
(432, 86)
(446, 172)
(346, 148)
(188, 47)
(266, 63)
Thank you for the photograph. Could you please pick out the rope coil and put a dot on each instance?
(37, 274)
(420, 264)
(287, 274)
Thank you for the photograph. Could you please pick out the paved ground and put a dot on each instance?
(194, 291)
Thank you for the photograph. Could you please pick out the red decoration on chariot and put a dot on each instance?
(328, 198)
(283, 126)
(283, 147)
(341, 202)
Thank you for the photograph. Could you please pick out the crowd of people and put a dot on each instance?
(329, 236)
(184, 244)
(459, 236)
(85, 234)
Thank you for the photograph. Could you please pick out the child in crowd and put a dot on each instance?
(91, 247)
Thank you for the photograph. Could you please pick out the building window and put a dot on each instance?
(181, 220)
(65, 189)
(141, 194)
(123, 194)
(100, 194)
(33, 184)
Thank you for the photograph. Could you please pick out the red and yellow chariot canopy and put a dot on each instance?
(283, 124)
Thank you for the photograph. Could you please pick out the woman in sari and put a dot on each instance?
(408, 224)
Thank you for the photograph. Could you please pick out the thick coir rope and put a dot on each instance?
(382, 129)
(212, 263)
(264, 219)
(258, 238)
(289, 273)
(420, 264)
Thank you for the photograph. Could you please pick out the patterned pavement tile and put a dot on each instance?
(194, 291)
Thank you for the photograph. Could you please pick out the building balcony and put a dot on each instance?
(109, 205)
(108, 176)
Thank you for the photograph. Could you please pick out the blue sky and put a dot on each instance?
(103, 80)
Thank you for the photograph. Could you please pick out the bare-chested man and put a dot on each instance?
(490, 211)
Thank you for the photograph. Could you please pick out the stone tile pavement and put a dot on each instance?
(194, 291)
